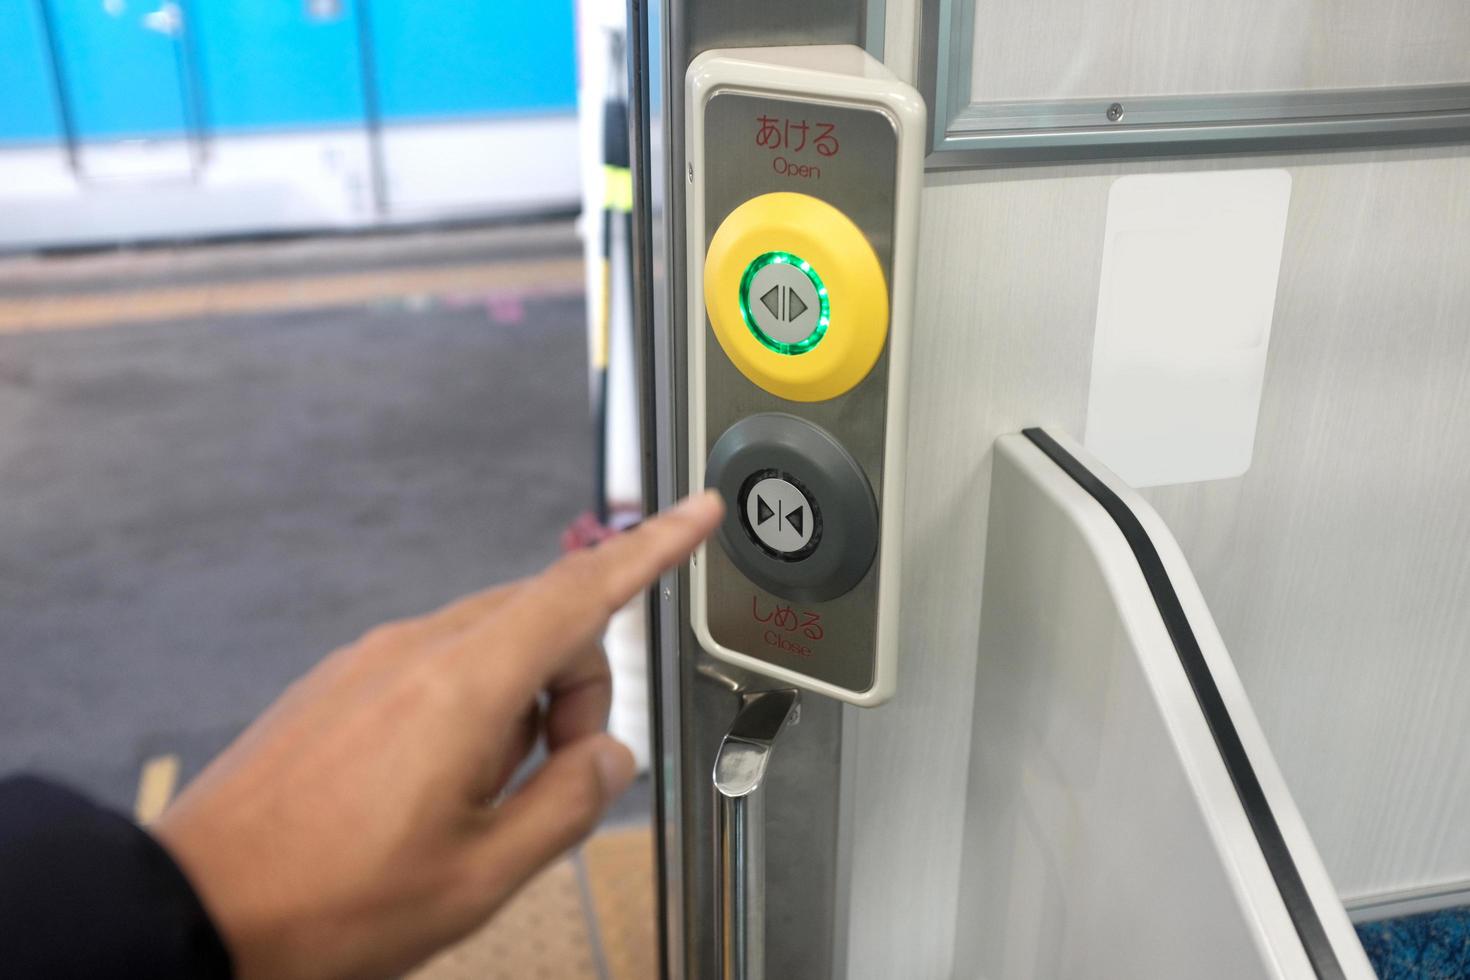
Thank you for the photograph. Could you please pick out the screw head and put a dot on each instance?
(1115, 112)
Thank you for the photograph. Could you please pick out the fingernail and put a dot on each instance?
(615, 768)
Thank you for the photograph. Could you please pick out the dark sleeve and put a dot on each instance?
(86, 893)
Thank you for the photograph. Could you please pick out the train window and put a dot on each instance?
(1014, 81)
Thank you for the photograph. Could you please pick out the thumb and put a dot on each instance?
(561, 804)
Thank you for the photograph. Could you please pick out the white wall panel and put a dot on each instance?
(1002, 339)
(1337, 567)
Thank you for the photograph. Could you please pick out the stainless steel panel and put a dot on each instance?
(692, 710)
(859, 181)
(646, 87)
(710, 24)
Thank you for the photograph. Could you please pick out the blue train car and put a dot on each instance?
(279, 113)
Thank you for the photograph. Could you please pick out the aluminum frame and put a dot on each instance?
(694, 698)
(985, 134)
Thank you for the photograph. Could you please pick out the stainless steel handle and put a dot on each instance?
(740, 769)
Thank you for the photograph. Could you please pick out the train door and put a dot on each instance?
(1082, 598)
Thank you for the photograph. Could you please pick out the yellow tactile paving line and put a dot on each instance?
(86, 310)
(291, 255)
(620, 873)
(156, 784)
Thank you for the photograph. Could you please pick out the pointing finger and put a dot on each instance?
(560, 613)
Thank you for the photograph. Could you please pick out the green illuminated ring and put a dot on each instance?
(824, 311)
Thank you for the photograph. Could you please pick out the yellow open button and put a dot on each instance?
(796, 296)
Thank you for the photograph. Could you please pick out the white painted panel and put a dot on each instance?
(1105, 837)
(1336, 567)
(1106, 49)
(983, 366)
(1339, 567)
(1183, 321)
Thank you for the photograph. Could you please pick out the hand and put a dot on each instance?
(353, 829)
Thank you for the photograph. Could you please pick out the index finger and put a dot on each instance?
(555, 615)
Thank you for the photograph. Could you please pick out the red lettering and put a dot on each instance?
(780, 642)
(788, 168)
(784, 619)
(783, 132)
(767, 135)
(755, 611)
(826, 140)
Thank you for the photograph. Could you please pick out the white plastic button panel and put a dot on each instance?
(801, 584)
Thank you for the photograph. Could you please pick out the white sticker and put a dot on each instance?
(1190, 263)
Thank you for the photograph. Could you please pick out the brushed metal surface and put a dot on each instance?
(1009, 266)
(691, 710)
(1337, 567)
(739, 773)
(860, 181)
(721, 24)
(1117, 49)
(1116, 80)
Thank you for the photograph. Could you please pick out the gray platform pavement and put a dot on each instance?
(194, 511)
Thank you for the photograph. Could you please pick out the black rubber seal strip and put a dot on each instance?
(1247, 787)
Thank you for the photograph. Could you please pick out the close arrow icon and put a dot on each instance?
(796, 519)
(763, 511)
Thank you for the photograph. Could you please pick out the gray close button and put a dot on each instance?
(780, 515)
(802, 522)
